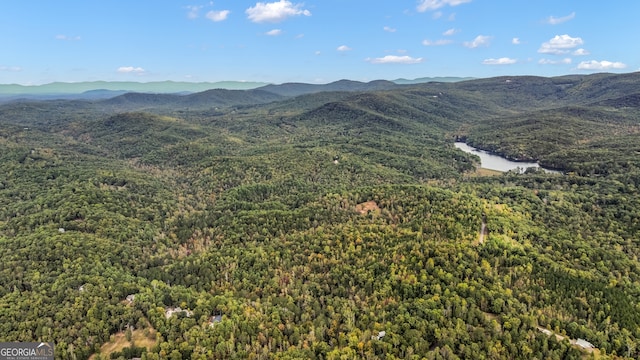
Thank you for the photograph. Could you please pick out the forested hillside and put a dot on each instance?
(333, 225)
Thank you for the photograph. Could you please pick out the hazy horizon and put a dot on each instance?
(230, 81)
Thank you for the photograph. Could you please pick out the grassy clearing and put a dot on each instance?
(140, 338)
(486, 172)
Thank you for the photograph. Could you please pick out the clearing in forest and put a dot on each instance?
(365, 207)
(574, 342)
(139, 338)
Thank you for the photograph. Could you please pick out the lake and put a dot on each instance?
(498, 163)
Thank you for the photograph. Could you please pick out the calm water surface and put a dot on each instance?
(495, 162)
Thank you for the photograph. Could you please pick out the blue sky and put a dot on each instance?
(315, 41)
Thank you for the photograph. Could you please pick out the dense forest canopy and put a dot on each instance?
(287, 223)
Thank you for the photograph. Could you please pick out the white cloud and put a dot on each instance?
(560, 44)
(580, 52)
(274, 32)
(500, 61)
(440, 42)
(394, 59)
(554, 62)
(343, 48)
(318, 53)
(450, 32)
(130, 70)
(194, 11)
(559, 20)
(69, 38)
(389, 29)
(436, 15)
(10, 68)
(600, 65)
(275, 11)
(216, 16)
(515, 41)
(480, 40)
(426, 5)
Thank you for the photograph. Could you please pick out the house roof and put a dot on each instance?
(584, 344)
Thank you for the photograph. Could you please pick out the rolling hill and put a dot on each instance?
(202, 100)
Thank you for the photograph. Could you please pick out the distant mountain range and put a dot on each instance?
(96, 90)
(432, 79)
(296, 89)
(128, 86)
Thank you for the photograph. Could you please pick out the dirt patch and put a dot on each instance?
(482, 235)
(139, 338)
(365, 207)
(485, 172)
(491, 316)
(104, 186)
(549, 333)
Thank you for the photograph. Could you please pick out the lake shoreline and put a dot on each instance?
(493, 161)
